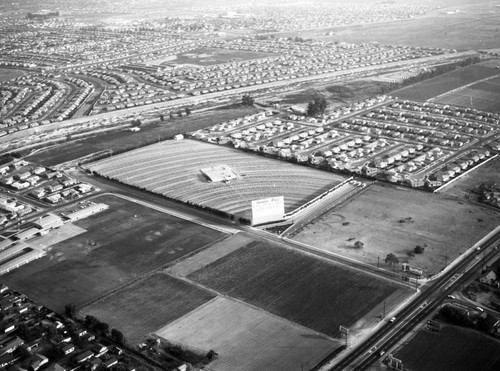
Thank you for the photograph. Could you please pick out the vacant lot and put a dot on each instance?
(390, 219)
(453, 348)
(121, 244)
(338, 94)
(210, 56)
(295, 286)
(484, 96)
(248, 339)
(122, 140)
(431, 88)
(8, 74)
(488, 173)
(148, 305)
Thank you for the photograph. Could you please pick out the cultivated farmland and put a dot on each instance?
(298, 287)
(247, 338)
(209, 255)
(148, 305)
(484, 96)
(431, 88)
(121, 244)
(173, 169)
(390, 219)
(453, 348)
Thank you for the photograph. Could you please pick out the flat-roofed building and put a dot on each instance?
(86, 212)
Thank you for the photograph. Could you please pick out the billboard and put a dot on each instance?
(268, 210)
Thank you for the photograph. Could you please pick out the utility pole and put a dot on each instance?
(378, 262)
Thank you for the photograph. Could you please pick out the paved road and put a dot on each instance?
(416, 310)
(192, 100)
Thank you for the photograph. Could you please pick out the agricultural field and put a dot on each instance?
(464, 187)
(120, 244)
(148, 305)
(258, 177)
(453, 348)
(300, 288)
(119, 141)
(389, 219)
(246, 338)
(8, 74)
(473, 27)
(484, 96)
(209, 255)
(444, 83)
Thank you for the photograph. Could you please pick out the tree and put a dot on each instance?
(358, 244)
(102, 328)
(172, 116)
(117, 336)
(179, 113)
(211, 355)
(188, 111)
(317, 106)
(70, 310)
(391, 259)
(247, 100)
(91, 322)
(418, 249)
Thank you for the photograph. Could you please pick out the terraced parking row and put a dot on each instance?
(173, 169)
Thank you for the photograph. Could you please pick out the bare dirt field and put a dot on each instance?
(484, 96)
(122, 140)
(210, 56)
(121, 244)
(389, 219)
(247, 338)
(58, 235)
(338, 94)
(147, 305)
(453, 348)
(431, 88)
(8, 74)
(463, 188)
(474, 26)
(298, 287)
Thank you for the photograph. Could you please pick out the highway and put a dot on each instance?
(416, 310)
(11, 139)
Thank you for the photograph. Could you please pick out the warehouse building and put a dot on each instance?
(84, 213)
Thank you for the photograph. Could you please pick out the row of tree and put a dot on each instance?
(93, 324)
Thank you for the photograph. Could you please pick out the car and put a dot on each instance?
(451, 297)
(382, 352)
(480, 309)
(392, 319)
